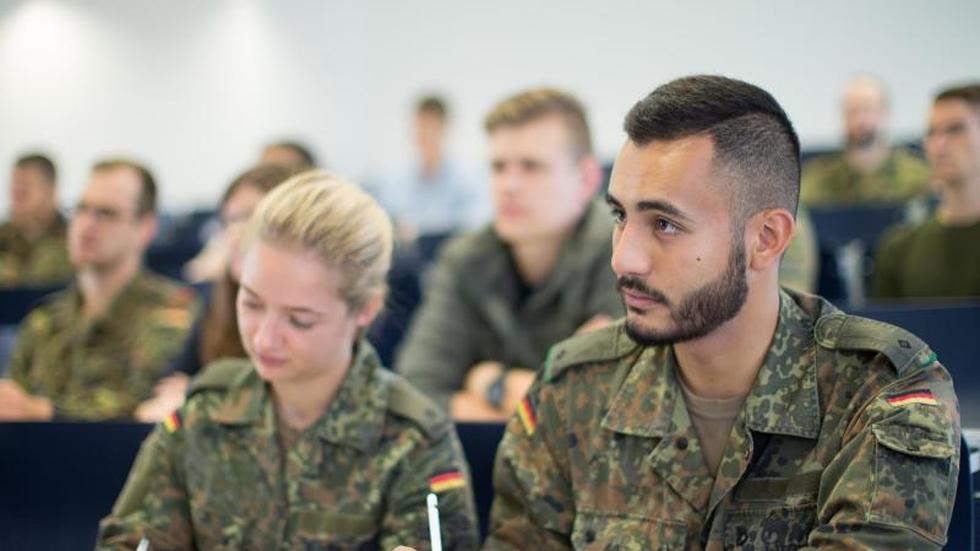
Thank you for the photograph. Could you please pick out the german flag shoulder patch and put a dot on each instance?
(918, 396)
(447, 481)
(528, 418)
(172, 422)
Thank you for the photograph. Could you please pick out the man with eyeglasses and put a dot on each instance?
(938, 257)
(95, 350)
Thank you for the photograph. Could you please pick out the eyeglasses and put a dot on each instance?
(949, 131)
(103, 215)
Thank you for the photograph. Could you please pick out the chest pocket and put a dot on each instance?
(330, 531)
(599, 530)
(772, 513)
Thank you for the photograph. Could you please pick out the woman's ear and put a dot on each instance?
(773, 230)
(365, 316)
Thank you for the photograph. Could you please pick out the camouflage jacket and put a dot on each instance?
(849, 439)
(42, 261)
(105, 368)
(830, 181)
(475, 310)
(213, 477)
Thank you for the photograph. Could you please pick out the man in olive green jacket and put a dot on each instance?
(95, 350)
(939, 257)
(868, 171)
(32, 242)
(497, 299)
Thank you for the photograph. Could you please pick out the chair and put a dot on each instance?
(843, 231)
(480, 441)
(18, 301)
(57, 480)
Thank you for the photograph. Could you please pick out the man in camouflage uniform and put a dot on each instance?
(868, 170)
(95, 350)
(32, 242)
(214, 475)
(723, 412)
(498, 298)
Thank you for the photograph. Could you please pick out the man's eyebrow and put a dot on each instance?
(662, 206)
(651, 204)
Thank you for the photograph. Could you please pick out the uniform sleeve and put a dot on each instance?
(153, 503)
(533, 505)
(439, 351)
(161, 338)
(19, 365)
(437, 467)
(893, 483)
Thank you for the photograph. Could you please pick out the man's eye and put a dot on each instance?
(618, 216)
(666, 226)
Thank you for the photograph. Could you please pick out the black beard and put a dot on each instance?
(701, 311)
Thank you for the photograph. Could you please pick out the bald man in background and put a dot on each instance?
(868, 170)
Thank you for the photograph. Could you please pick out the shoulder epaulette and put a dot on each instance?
(219, 375)
(404, 400)
(602, 345)
(904, 350)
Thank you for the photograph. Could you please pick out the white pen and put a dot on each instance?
(435, 533)
(144, 545)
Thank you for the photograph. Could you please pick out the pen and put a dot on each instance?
(435, 534)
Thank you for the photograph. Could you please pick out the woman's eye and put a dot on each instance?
(300, 324)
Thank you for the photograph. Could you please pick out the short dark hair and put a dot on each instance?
(970, 93)
(754, 139)
(41, 163)
(146, 203)
(538, 103)
(432, 105)
(305, 154)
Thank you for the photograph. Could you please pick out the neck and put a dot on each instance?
(867, 159)
(725, 363)
(536, 259)
(961, 203)
(100, 286)
(301, 402)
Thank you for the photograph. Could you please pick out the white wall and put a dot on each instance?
(195, 87)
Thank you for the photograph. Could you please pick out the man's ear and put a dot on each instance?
(365, 316)
(590, 172)
(148, 225)
(770, 232)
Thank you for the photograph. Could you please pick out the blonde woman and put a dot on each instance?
(308, 443)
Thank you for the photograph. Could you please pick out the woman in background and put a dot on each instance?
(215, 332)
(309, 442)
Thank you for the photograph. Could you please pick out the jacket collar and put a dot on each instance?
(784, 399)
(355, 416)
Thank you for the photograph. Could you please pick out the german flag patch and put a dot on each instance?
(921, 396)
(447, 481)
(172, 422)
(527, 415)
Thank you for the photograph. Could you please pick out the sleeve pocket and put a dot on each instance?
(914, 479)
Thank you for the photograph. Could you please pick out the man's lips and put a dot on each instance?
(641, 301)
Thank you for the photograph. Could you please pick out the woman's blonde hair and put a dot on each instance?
(335, 220)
